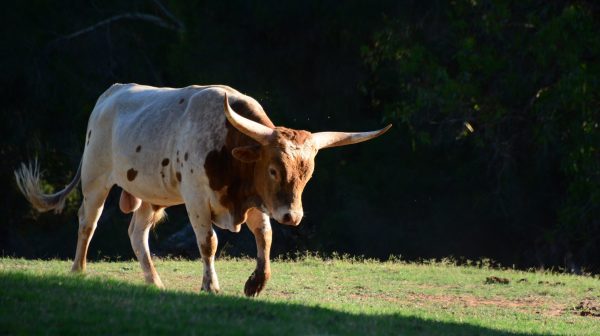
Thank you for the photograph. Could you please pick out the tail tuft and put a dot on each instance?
(28, 181)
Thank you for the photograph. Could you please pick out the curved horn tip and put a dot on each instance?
(335, 139)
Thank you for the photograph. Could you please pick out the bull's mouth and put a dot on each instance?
(291, 218)
(288, 217)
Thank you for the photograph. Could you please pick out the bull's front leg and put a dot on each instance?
(260, 226)
(207, 243)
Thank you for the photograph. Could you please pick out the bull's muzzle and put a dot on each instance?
(289, 217)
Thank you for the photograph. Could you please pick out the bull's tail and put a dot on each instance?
(28, 180)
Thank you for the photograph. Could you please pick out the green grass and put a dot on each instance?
(309, 296)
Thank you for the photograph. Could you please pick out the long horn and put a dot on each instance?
(256, 131)
(334, 139)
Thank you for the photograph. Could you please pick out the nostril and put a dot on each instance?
(287, 218)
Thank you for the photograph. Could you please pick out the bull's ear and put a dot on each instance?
(247, 153)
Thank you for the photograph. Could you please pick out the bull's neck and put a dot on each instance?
(243, 190)
(233, 181)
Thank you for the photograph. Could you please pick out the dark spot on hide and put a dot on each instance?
(209, 247)
(216, 164)
(185, 156)
(86, 230)
(181, 101)
(138, 149)
(164, 162)
(223, 171)
(178, 175)
(191, 171)
(162, 174)
(131, 174)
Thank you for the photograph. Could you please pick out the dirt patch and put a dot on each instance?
(557, 283)
(531, 304)
(587, 307)
(496, 280)
(474, 301)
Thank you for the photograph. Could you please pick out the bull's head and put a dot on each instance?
(285, 160)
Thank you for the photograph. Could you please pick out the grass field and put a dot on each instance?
(309, 296)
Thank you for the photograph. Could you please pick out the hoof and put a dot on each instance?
(210, 289)
(255, 284)
(78, 268)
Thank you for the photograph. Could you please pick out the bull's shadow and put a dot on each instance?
(74, 305)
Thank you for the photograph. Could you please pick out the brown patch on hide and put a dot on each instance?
(165, 162)
(216, 166)
(209, 246)
(178, 176)
(147, 265)
(157, 207)
(86, 230)
(131, 174)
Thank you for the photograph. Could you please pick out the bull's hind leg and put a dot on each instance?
(141, 222)
(260, 226)
(89, 213)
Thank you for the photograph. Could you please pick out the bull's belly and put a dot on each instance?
(151, 191)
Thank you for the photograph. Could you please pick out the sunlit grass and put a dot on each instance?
(310, 295)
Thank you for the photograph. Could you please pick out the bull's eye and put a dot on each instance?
(273, 173)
